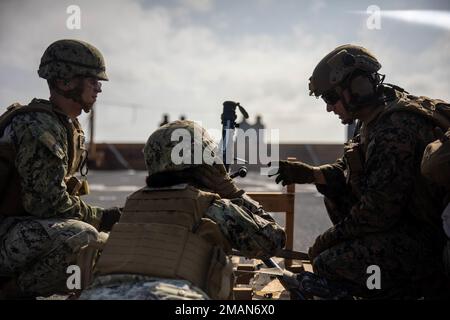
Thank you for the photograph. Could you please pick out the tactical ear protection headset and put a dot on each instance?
(356, 73)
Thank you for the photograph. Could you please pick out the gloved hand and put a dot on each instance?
(217, 179)
(294, 172)
(109, 218)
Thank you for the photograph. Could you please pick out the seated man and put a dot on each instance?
(43, 221)
(175, 235)
(385, 215)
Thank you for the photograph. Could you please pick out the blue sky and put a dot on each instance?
(188, 56)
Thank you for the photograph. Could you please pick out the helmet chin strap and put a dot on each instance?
(353, 105)
(74, 95)
(350, 108)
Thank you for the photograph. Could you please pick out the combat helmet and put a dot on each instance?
(67, 58)
(179, 145)
(332, 74)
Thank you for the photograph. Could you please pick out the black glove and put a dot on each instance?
(294, 172)
(109, 218)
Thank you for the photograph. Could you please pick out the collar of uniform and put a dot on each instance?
(40, 101)
(59, 111)
(374, 115)
(367, 123)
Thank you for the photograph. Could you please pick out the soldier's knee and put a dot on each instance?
(329, 264)
(319, 264)
(77, 234)
(23, 243)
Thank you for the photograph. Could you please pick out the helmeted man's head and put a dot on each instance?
(73, 69)
(347, 80)
(181, 146)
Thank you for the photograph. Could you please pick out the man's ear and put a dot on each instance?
(65, 85)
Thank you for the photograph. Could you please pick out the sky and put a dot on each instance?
(186, 57)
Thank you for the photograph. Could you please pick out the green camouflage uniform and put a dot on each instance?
(385, 215)
(59, 224)
(241, 220)
(255, 234)
(36, 249)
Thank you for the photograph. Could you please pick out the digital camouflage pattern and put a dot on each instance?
(42, 162)
(59, 224)
(164, 146)
(242, 222)
(65, 59)
(138, 287)
(393, 221)
(338, 64)
(255, 234)
(38, 251)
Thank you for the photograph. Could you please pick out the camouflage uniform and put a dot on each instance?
(255, 235)
(36, 248)
(56, 229)
(383, 211)
(387, 216)
(242, 222)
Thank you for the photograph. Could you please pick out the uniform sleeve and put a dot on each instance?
(42, 164)
(252, 234)
(390, 169)
(335, 180)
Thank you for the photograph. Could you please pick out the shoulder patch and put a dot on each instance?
(50, 142)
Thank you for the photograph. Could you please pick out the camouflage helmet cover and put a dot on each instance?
(179, 145)
(67, 58)
(338, 64)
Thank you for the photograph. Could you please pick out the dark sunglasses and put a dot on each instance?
(331, 97)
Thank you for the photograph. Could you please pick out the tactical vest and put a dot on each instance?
(10, 189)
(437, 111)
(424, 204)
(164, 233)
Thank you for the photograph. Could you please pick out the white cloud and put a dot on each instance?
(419, 72)
(317, 6)
(162, 61)
(199, 5)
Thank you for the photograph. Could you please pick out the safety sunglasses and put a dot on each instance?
(331, 97)
(94, 82)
